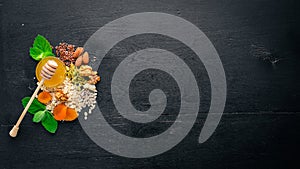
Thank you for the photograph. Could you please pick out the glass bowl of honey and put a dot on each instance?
(59, 75)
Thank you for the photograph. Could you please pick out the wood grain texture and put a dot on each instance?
(260, 127)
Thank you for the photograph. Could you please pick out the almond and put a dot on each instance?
(78, 52)
(78, 61)
(85, 58)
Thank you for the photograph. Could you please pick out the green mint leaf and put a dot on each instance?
(41, 48)
(35, 106)
(42, 43)
(38, 116)
(48, 54)
(36, 53)
(49, 123)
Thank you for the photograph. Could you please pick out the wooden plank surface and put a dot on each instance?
(259, 128)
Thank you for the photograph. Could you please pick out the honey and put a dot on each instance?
(59, 75)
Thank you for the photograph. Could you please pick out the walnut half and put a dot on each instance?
(59, 95)
(94, 79)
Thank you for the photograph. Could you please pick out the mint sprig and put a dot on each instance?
(41, 48)
(49, 123)
(35, 106)
(41, 114)
(38, 116)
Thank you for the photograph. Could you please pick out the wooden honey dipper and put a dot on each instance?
(47, 72)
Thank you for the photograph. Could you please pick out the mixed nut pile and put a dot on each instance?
(78, 90)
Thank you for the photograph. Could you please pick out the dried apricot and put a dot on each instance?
(44, 97)
(71, 114)
(60, 111)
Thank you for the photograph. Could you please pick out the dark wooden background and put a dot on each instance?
(258, 43)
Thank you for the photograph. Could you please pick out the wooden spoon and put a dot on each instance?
(47, 72)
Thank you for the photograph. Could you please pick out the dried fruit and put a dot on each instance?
(44, 97)
(78, 52)
(85, 58)
(78, 61)
(60, 112)
(71, 114)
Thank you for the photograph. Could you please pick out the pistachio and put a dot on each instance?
(85, 58)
